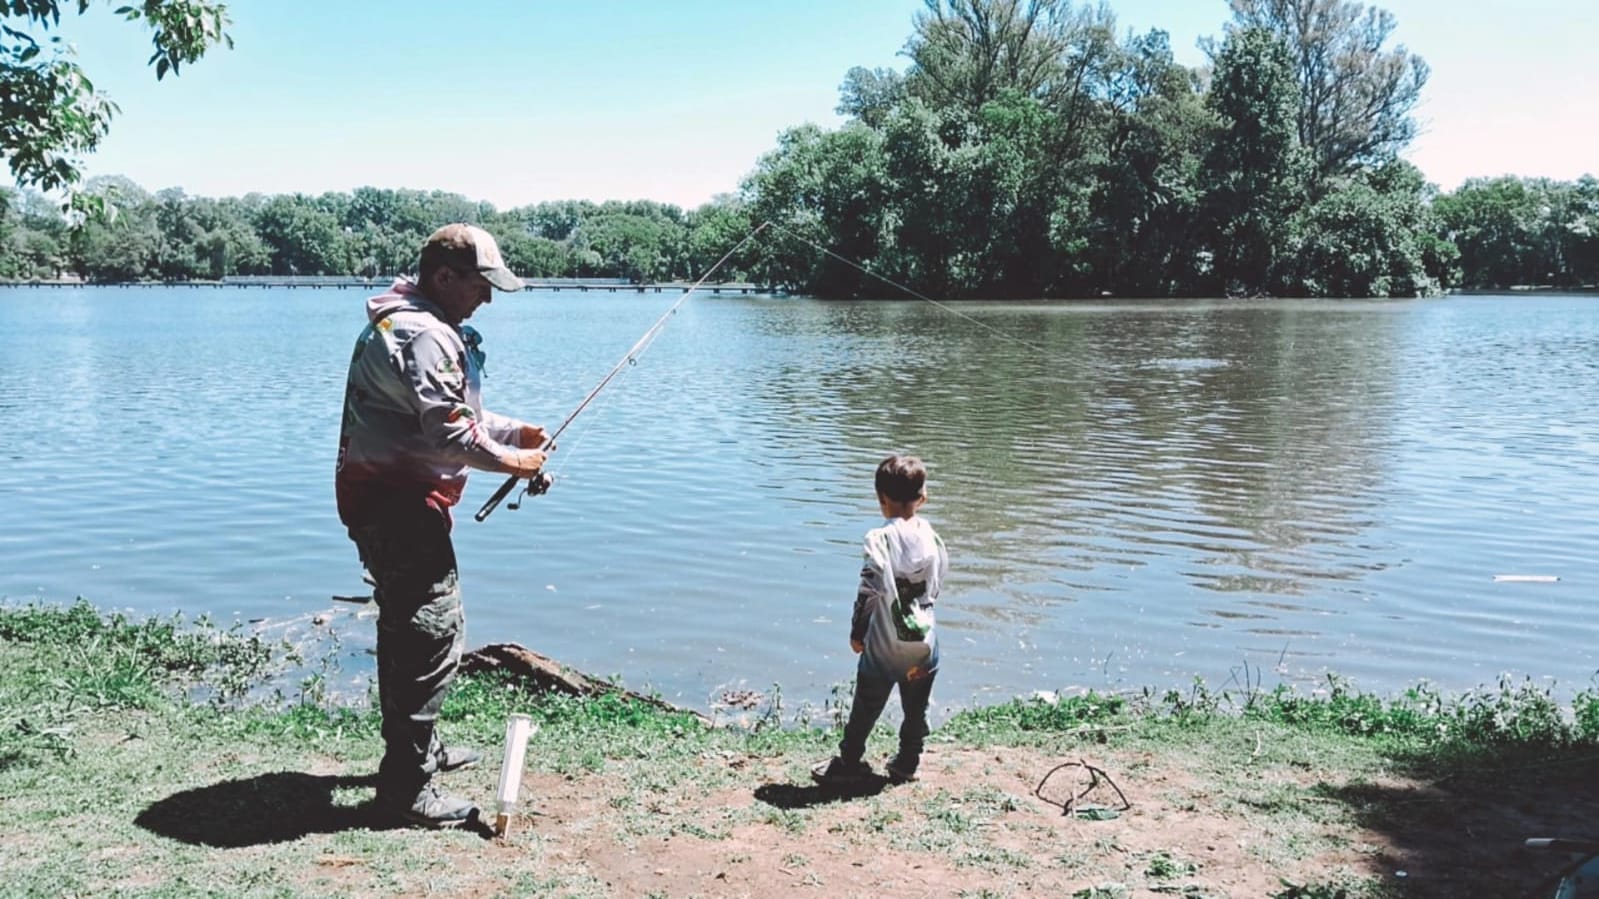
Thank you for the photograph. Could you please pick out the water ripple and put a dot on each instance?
(1171, 489)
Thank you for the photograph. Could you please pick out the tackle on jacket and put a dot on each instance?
(414, 422)
(904, 569)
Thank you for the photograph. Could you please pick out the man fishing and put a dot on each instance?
(413, 426)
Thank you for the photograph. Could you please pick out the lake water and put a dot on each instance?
(1134, 493)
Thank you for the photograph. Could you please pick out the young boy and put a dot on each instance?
(892, 627)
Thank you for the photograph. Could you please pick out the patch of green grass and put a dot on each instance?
(990, 800)
(879, 819)
(122, 663)
(787, 819)
(697, 830)
(945, 812)
(1165, 866)
(65, 665)
(1104, 891)
(1019, 717)
(995, 859)
(1343, 887)
(1518, 713)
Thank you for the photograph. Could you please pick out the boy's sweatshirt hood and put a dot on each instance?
(907, 549)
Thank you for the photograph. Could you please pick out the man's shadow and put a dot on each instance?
(791, 796)
(267, 808)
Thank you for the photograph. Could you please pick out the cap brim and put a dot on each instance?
(502, 278)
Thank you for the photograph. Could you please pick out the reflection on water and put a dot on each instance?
(1134, 493)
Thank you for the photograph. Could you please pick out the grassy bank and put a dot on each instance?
(138, 758)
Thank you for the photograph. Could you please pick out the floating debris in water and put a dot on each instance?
(741, 699)
(1525, 578)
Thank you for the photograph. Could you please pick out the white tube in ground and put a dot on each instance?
(517, 730)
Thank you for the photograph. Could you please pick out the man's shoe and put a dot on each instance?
(836, 772)
(431, 808)
(455, 758)
(900, 772)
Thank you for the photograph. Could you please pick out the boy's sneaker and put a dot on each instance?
(455, 758)
(836, 771)
(431, 808)
(900, 772)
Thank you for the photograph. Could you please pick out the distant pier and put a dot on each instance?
(342, 282)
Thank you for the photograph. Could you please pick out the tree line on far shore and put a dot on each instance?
(369, 232)
(1489, 233)
(1027, 150)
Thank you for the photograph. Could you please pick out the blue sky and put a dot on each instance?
(521, 101)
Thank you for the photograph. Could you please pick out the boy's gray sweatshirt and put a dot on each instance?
(414, 422)
(904, 570)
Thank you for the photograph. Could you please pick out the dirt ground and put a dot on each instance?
(974, 826)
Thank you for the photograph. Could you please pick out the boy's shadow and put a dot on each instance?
(267, 808)
(791, 796)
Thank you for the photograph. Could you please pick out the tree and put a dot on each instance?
(870, 94)
(965, 52)
(302, 237)
(714, 230)
(640, 241)
(533, 257)
(1146, 192)
(1355, 95)
(1524, 230)
(126, 248)
(31, 236)
(1013, 189)
(1371, 236)
(50, 112)
(828, 188)
(1253, 173)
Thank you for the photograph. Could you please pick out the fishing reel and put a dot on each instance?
(537, 485)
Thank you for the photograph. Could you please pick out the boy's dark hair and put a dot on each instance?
(901, 478)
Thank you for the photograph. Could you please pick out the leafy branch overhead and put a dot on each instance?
(50, 112)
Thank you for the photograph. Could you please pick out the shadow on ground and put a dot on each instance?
(1462, 832)
(268, 808)
(792, 796)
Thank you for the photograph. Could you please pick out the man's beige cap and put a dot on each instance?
(470, 248)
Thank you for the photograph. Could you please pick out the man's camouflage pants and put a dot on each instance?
(421, 632)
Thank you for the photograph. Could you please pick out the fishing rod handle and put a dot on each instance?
(500, 494)
(510, 482)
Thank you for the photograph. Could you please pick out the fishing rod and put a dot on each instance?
(539, 482)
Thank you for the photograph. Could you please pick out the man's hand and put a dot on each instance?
(524, 463)
(530, 437)
(858, 646)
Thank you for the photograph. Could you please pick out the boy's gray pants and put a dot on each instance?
(421, 632)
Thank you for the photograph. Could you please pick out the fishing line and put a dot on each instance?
(918, 295)
(538, 483)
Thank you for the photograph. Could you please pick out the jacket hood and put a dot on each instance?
(402, 294)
